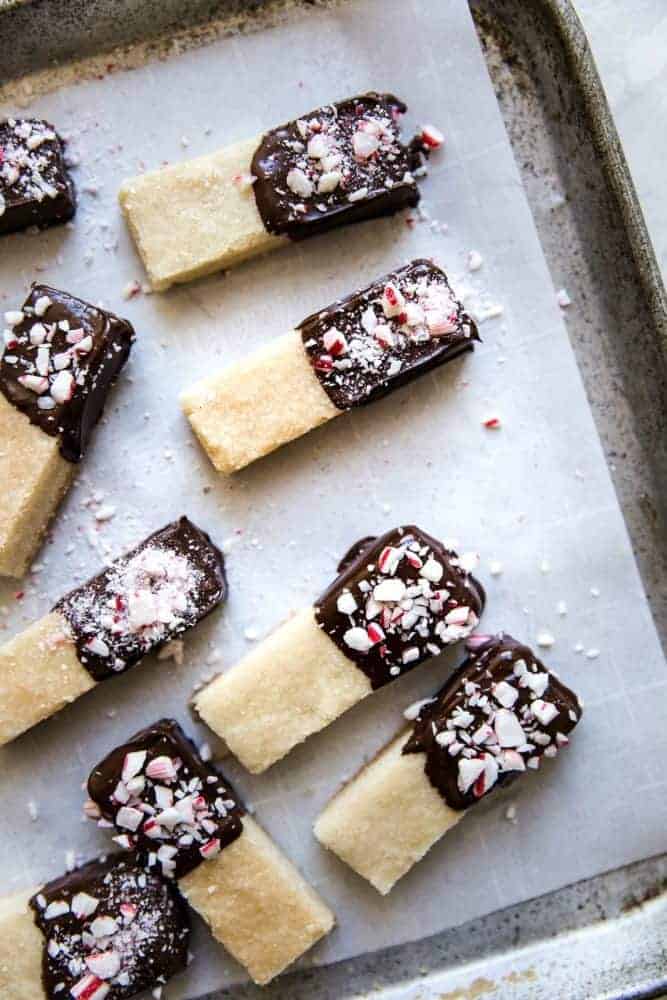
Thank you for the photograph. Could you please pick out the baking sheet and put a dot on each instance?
(534, 495)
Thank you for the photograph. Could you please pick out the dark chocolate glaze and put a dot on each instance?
(470, 692)
(402, 647)
(370, 368)
(35, 188)
(109, 340)
(150, 944)
(217, 818)
(179, 562)
(355, 551)
(386, 175)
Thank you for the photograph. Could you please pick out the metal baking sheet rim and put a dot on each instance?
(576, 956)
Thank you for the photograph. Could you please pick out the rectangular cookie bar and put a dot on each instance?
(398, 600)
(498, 715)
(339, 164)
(106, 930)
(183, 819)
(59, 357)
(105, 626)
(35, 188)
(351, 353)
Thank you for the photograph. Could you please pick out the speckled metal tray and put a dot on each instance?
(605, 937)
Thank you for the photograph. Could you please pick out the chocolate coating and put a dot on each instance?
(216, 820)
(149, 944)
(354, 552)
(470, 700)
(383, 179)
(35, 188)
(37, 347)
(145, 598)
(382, 352)
(412, 626)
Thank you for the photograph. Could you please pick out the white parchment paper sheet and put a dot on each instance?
(535, 491)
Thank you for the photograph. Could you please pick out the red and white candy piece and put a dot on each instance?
(334, 342)
(504, 693)
(375, 633)
(389, 590)
(457, 616)
(41, 305)
(210, 849)
(128, 912)
(364, 144)
(98, 646)
(358, 639)
(469, 770)
(35, 383)
(389, 559)
(298, 182)
(544, 711)
(133, 763)
(90, 988)
(103, 927)
(161, 769)
(393, 302)
(84, 905)
(508, 729)
(105, 964)
(129, 818)
(511, 760)
(346, 603)
(62, 387)
(487, 778)
(432, 137)
(432, 570)
(384, 335)
(58, 908)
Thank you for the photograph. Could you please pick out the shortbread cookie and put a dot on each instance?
(339, 164)
(35, 188)
(184, 820)
(59, 358)
(353, 352)
(498, 715)
(106, 931)
(398, 600)
(146, 597)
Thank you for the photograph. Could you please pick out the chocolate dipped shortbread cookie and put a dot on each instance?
(397, 601)
(339, 164)
(497, 717)
(351, 353)
(102, 628)
(59, 357)
(35, 188)
(184, 820)
(106, 931)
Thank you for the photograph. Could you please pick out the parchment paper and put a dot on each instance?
(534, 495)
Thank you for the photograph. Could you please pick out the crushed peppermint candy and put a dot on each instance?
(501, 712)
(165, 800)
(145, 598)
(111, 931)
(310, 173)
(401, 600)
(381, 336)
(58, 358)
(34, 185)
